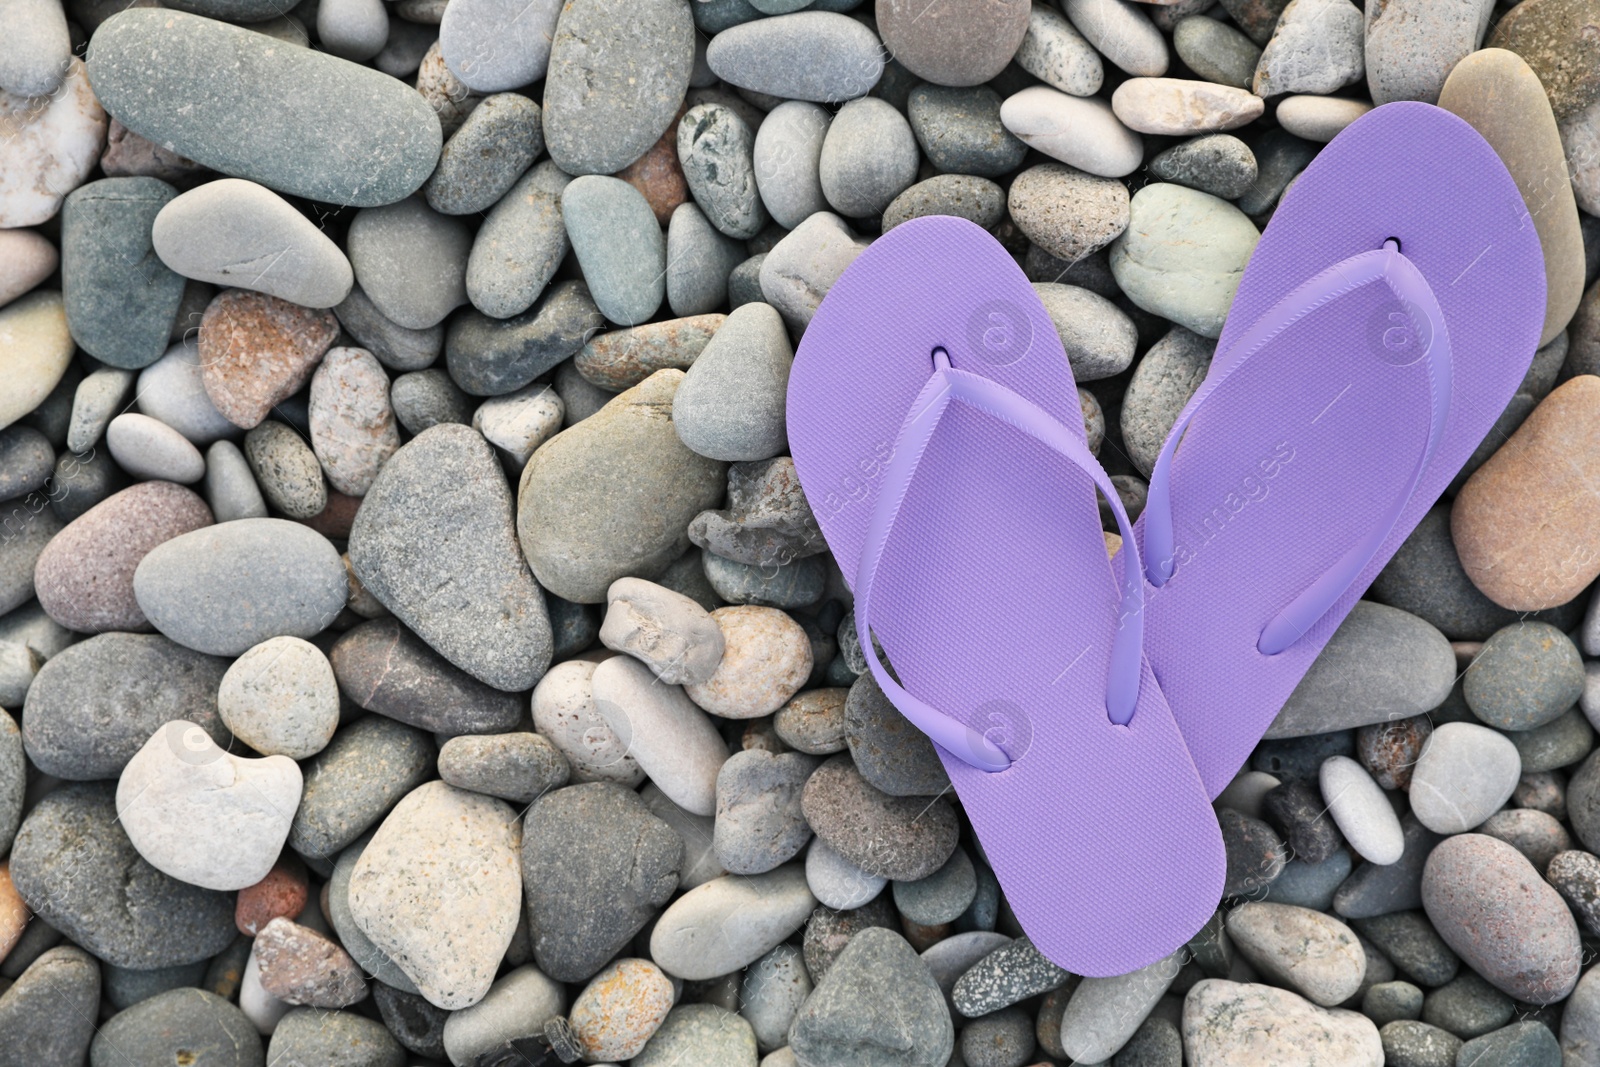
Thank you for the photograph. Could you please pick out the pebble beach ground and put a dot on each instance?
(416, 648)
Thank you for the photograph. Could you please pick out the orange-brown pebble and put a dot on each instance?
(657, 174)
(619, 1009)
(256, 350)
(281, 894)
(14, 914)
(334, 520)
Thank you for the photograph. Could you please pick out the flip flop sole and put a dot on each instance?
(1286, 467)
(994, 600)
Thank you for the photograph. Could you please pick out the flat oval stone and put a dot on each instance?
(1177, 106)
(120, 299)
(353, 431)
(411, 261)
(395, 346)
(621, 359)
(438, 890)
(617, 74)
(1121, 32)
(671, 738)
(222, 589)
(786, 156)
(1319, 118)
(146, 448)
(960, 130)
(232, 232)
(84, 577)
(315, 1035)
(520, 766)
(245, 105)
(1465, 774)
(256, 350)
(820, 56)
(383, 667)
(720, 927)
(481, 161)
(286, 470)
(1361, 810)
(960, 43)
(1182, 254)
(1516, 523)
(1556, 38)
(29, 258)
(493, 45)
(715, 149)
(520, 245)
(1098, 337)
(613, 496)
(700, 260)
(203, 815)
(1527, 675)
(37, 347)
(351, 784)
(1216, 51)
(903, 838)
(46, 152)
(1081, 131)
(433, 542)
(978, 200)
(869, 157)
(1490, 905)
(76, 869)
(619, 245)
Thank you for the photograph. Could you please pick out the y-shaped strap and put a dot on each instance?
(991, 398)
(1426, 322)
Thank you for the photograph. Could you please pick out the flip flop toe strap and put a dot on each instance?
(1421, 322)
(945, 386)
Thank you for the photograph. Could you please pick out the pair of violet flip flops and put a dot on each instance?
(1088, 711)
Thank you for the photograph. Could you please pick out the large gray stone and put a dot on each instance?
(877, 1006)
(619, 245)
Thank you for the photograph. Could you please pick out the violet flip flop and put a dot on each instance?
(1383, 323)
(937, 433)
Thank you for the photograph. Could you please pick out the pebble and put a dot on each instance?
(1058, 55)
(1361, 811)
(38, 349)
(975, 199)
(621, 359)
(518, 423)
(813, 721)
(837, 882)
(1161, 385)
(1005, 976)
(307, 1036)
(49, 150)
(1381, 889)
(493, 45)
(297, 965)
(77, 871)
(903, 838)
(492, 357)
(700, 1033)
(565, 713)
(1317, 47)
(1310, 885)
(1490, 905)
(350, 785)
(203, 815)
(282, 893)
(801, 267)
(668, 632)
(890, 753)
(696, 831)
(1102, 1014)
(84, 576)
(280, 698)
(384, 667)
(1522, 1044)
(959, 130)
(1413, 1044)
(176, 1023)
(29, 259)
(1175, 106)
(620, 1009)
(1410, 48)
(222, 589)
(1217, 163)
(1255, 854)
(1527, 675)
(232, 232)
(786, 156)
(425, 398)
(120, 299)
(1385, 1002)
(848, 1013)
(818, 56)
(411, 261)
(1559, 743)
(766, 660)
(353, 430)
(730, 405)
(1182, 254)
(438, 890)
(1467, 1007)
(519, 767)
(1519, 566)
(730, 922)
(519, 245)
(1216, 51)
(1576, 876)
(1319, 118)
(663, 730)
(1122, 33)
(352, 29)
(444, 491)
(699, 262)
(286, 470)
(36, 58)
(1275, 1025)
(759, 824)
(449, 100)
(1098, 337)
(1080, 131)
(715, 152)
(485, 157)
(767, 519)
(619, 245)
(256, 350)
(95, 704)
(585, 519)
(395, 346)
(616, 78)
(518, 1005)
(771, 993)
(273, 115)
(149, 449)
(1315, 954)
(869, 156)
(959, 44)
(581, 844)
(1464, 774)
(1382, 664)
(97, 400)
(48, 1014)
